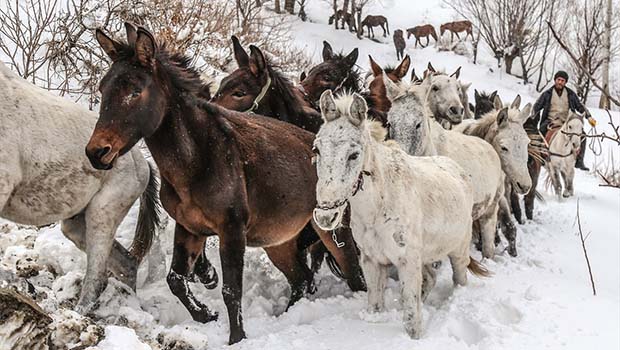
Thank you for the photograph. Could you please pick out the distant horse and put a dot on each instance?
(345, 17)
(392, 219)
(399, 44)
(246, 178)
(412, 125)
(456, 27)
(337, 73)
(423, 31)
(45, 178)
(564, 141)
(375, 21)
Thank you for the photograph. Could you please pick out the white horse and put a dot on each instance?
(46, 177)
(503, 129)
(406, 211)
(563, 146)
(412, 126)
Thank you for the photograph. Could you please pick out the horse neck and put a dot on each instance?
(290, 111)
(561, 143)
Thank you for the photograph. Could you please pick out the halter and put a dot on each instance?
(359, 186)
(342, 82)
(260, 96)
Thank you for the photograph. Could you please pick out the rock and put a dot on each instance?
(23, 324)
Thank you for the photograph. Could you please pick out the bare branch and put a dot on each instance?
(585, 252)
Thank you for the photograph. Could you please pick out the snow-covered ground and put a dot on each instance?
(541, 299)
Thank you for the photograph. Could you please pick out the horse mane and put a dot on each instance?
(485, 125)
(175, 65)
(375, 127)
(285, 89)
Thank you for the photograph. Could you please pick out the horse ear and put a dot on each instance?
(132, 33)
(376, 69)
(414, 78)
(516, 103)
(465, 87)
(430, 68)
(328, 52)
(146, 47)
(403, 68)
(391, 88)
(492, 96)
(456, 74)
(497, 103)
(358, 109)
(110, 46)
(502, 117)
(302, 77)
(242, 58)
(476, 95)
(328, 106)
(258, 63)
(352, 57)
(525, 112)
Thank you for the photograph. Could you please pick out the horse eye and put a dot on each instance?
(435, 88)
(136, 93)
(239, 93)
(354, 156)
(315, 151)
(504, 149)
(418, 126)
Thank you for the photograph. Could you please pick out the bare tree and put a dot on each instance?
(604, 102)
(302, 10)
(289, 6)
(359, 9)
(277, 7)
(511, 28)
(23, 34)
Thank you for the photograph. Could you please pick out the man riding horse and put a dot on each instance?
(557, 101)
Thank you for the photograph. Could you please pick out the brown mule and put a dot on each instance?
(246, 178)
(399, 43)
(375, 21)
(456, 27)
(423, 31)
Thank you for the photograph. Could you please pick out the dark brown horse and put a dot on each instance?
(256, 86)
(399, 44)
(337, 73)
(456, 28)
(246, 178)
(485, 103)
(375, 21)
(423, 31)
(345, 17)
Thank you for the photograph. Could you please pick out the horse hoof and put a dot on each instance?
(236, 337)
(205, 316)
(512, 252)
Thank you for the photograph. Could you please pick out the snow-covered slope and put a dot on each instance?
(540, 300)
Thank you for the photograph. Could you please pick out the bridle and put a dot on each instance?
(359, 186)
(553, 154)
(260, 96)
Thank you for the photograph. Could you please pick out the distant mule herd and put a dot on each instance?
(364, 176)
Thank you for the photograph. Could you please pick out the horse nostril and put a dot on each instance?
(455, 110)
(101, 152)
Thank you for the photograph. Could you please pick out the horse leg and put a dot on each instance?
(121, 263)
(346, 257)
(410, 273)
(459, 259)
(476, 234)
(232, 249)
(534, 170)
(555, 180)
(570, 175)
(508, 227)
(376, 278)
(187, 249)
(515, 205)
(384, 32)
(428, 41)
(457, 35)
(488, 225)
(288, 259)
(205, 271)
(429, 279)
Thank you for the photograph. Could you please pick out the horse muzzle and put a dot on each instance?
(328, 218)
(101, 158)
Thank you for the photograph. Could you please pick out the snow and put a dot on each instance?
(541, 299)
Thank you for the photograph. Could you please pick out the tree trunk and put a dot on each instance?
(258, 3)
(277, 7)
(508, 59)
(360, 30)
(335, 8)
(289, 6)
(345, 7)
(353, 25)
(604, 102)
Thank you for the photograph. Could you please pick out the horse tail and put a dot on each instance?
(434, 34)
(477, 268)
(539, 196)
(148, 218)
(387, 27)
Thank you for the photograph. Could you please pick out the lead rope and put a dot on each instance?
(260, 96)
(595, 144)
(358, 187)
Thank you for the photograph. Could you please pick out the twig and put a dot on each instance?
(581, 67)
(602, 136)
(608, 183)
(585, 252)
